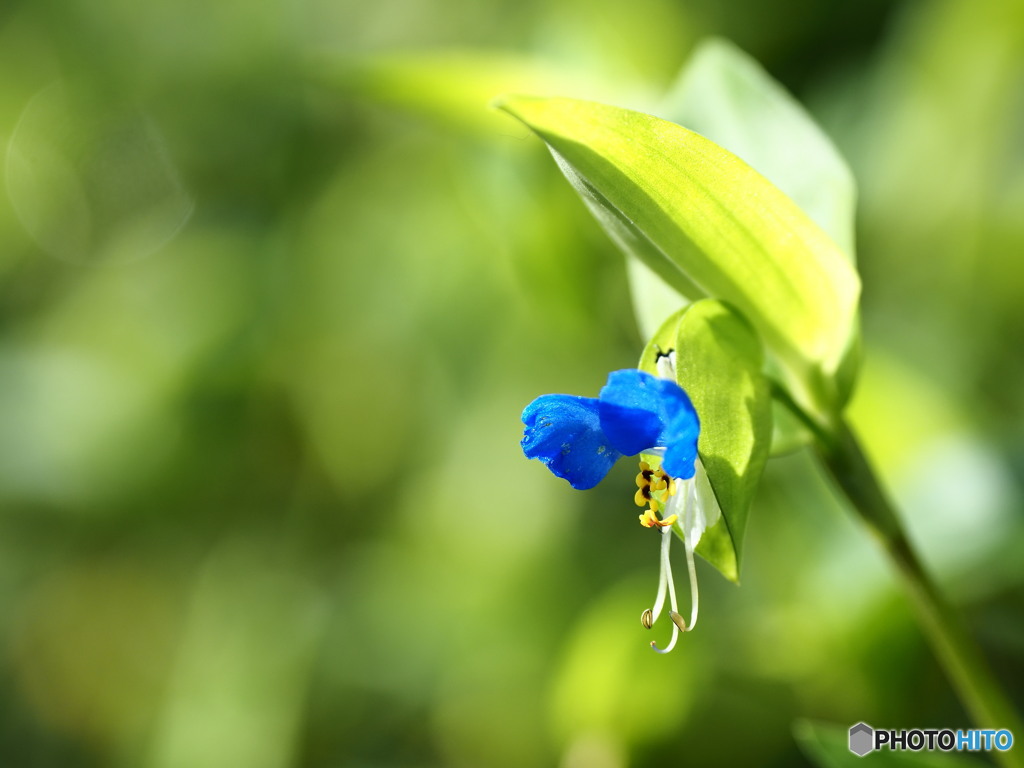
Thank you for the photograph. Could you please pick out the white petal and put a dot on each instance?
(704, 512)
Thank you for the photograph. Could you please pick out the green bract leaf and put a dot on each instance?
(710, 226)
(718, 361)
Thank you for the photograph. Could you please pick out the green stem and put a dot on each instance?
(959, 655)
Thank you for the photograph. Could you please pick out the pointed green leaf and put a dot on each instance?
(711, 226)
(718, 362)
(726, 96)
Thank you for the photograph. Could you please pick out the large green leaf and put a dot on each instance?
(718, 361)
(726, 96)
(711, 226)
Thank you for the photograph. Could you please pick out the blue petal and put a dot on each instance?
(679, 458)
(639, 411)
(632, 410)
(564, 431)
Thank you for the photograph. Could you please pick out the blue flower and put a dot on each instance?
(580, 438)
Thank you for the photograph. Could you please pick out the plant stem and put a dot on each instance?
(966, 668)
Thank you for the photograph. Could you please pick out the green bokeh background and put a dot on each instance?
(275, 285)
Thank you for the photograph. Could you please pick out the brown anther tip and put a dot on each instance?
(647, 619)
(677, 620)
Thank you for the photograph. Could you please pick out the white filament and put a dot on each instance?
(693, 588)
(666, 582)
(663, 576)
(690, 524)
(691, 500)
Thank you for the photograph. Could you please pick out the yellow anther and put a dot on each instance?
(671, 485)
(643, 497)
(653, 487)
(649, 519)
(645, 475)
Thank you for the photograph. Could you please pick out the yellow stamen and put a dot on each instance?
(645, 475)
(643, 497)
(671, 484)
(649, 519)
(653, 487)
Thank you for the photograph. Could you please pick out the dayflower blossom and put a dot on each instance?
(580, 438)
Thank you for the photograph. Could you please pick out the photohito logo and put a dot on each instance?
(864, 739)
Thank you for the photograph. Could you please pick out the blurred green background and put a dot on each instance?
(275, 285)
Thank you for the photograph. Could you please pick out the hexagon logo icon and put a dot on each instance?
(862, 739)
